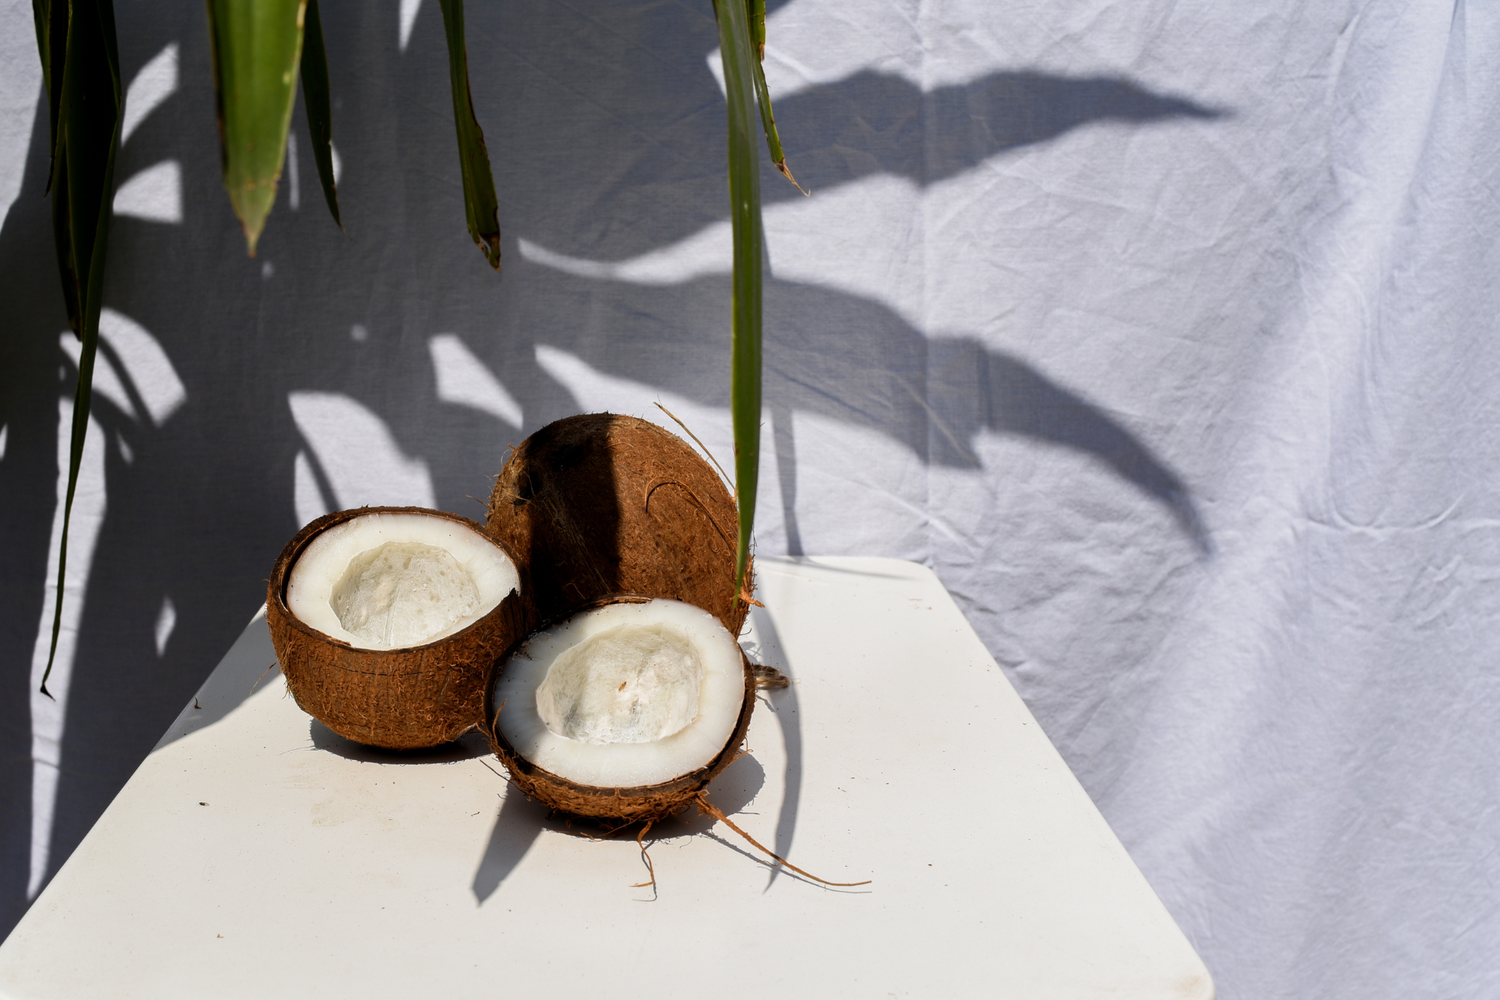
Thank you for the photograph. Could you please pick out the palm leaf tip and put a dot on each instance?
(481, 207)
(251, 207)
(317, 101)
(763, 94)
(787, 173)
(257, 48)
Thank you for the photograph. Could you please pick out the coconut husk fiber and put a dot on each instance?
(401, 699)
(601, 504)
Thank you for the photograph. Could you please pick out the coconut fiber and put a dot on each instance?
(602, 504)
(400, 699)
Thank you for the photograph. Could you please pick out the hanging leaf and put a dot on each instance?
(81, 70)
(315, 100)
(768, 125)
(745, 314)
(257, 45)
(757, 10)
(51, 42)
(481, 207)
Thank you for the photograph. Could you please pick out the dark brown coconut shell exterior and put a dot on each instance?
(602, 504)
(635, 804)
(401, 699)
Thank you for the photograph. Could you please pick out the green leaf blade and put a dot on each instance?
(735, 49)
(257, 48)
(757, 9)
(481, 207)
(90, 110)
(317, 101)
(52, 43)
(768, 125)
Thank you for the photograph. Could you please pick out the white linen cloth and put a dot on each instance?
(1165, 332)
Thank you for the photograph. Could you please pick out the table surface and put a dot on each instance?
(256, 854)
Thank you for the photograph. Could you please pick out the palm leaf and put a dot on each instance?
(745, 303)
(763, 93)
(757, 12)
(257, 46)
(51, 43)
(481, 208)
(81, 69)
(315, 99)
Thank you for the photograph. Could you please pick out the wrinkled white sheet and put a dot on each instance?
(1164, 331)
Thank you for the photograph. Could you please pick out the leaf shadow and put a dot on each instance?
(468, 746)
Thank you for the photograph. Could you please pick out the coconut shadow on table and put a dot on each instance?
(522, 820)
(468, 746)
(783, 703)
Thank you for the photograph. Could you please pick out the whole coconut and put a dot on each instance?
(601, 504)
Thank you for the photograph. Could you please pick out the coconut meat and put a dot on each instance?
(629, 684)
(393, 580)
(624, 695)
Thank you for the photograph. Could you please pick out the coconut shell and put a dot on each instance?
(401, 699)
(601, 503)
(632, 804)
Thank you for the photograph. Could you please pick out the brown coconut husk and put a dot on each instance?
(400, 699)
(622, 805)
(601, 503)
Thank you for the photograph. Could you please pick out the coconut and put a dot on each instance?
(624, 710)
(602, 504)
(388, 621)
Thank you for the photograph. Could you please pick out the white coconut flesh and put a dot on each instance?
(389, 581)
(623, 695)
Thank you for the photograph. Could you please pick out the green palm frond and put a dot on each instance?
(745, 303)
(81, 71)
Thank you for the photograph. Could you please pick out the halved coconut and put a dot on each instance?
(388, 622)
(624, 710)
(600, 504)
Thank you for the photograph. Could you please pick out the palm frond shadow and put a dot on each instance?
(612, 132)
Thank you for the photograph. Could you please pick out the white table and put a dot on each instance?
(254, 854)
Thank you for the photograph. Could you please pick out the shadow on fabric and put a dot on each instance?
(595, 155)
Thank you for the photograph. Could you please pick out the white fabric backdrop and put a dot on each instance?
(1164, 331)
